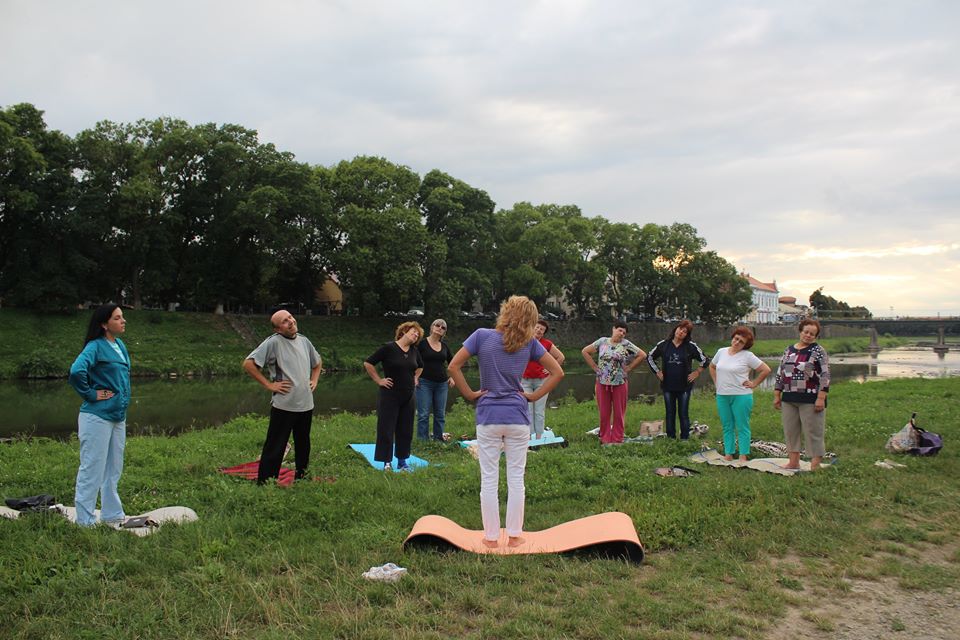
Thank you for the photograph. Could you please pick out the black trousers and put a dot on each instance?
(278, 433)
(394, 424)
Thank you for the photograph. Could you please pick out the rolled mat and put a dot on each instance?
(607, 535)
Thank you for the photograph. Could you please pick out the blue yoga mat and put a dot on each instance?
(549, 437)
(366, 450)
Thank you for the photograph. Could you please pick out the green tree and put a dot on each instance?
(668, 252)
(624, 256)
(830, 307)
(383, 245)
(301, 245)
(128, 196)
(713, 290)
(43, 262)
(461, 218)
(238, 211)
(537, 250)
(584, 287)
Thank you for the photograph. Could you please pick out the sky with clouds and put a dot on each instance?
(814, 143)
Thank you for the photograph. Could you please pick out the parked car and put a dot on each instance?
(414, 312)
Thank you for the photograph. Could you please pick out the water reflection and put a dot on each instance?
(49, 408)
(905, 362)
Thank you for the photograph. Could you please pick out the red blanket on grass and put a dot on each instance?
(249, 471)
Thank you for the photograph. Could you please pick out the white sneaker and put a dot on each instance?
(386, 573)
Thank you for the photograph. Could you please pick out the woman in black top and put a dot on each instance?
(676, 374)
(434, 382)
(401, 364)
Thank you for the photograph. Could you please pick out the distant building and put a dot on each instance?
(790, 311)
(766, 304)
(329, 297)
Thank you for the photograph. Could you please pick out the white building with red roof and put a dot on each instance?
(766, 302)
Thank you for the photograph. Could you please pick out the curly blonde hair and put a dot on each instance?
(406, 326)
(517, 321)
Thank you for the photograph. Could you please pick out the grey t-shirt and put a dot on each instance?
(288, 359)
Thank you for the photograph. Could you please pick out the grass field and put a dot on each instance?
(730, 553)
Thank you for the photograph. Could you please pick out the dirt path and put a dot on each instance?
(863, 609)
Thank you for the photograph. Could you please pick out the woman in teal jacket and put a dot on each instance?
(101, 375)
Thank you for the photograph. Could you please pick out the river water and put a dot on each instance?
(49, 408)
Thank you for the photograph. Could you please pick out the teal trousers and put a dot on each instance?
(735, 417)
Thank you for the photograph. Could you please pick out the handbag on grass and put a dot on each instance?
(137, 522)
(928, 443)
(41, 502)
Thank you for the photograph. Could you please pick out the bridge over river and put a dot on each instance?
(939, 327)
(901, 326)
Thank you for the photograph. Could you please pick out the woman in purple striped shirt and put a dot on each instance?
(502, 415)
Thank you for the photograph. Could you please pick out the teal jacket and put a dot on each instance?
(100, 367)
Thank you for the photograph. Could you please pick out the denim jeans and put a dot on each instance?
(101, 463)
(537, 409)
(677, 400)
(431, 395)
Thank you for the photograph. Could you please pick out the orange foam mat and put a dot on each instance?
(609, 535)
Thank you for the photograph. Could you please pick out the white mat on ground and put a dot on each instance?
(767, 465)
(156, 518)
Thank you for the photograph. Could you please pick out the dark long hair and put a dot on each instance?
(683, 323)
(100, 317)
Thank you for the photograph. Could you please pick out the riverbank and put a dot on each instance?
(196, 344)
(730, 553)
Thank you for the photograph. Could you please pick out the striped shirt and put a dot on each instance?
(503, 402)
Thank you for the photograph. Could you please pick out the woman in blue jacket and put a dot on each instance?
(101, 375)
(677, 374)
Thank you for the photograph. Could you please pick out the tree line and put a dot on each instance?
(160, 211)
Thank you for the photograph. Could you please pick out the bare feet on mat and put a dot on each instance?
(515, 541)
(743, 458)
(491, 544)
(728, 458)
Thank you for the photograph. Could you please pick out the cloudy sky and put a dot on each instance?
(814, 143)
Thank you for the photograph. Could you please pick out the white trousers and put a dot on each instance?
(514, 439)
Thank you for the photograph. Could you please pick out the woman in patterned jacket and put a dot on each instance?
(616, 357)
(800, 394)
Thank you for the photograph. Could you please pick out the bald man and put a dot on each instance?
(294, 367)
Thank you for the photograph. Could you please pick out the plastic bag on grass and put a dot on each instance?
(905, 439)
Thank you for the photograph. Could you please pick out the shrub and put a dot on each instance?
(41, 363)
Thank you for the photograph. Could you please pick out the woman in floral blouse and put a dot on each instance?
(616, 357)
(800, 394)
